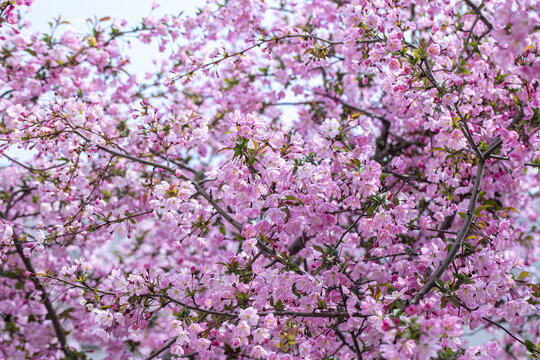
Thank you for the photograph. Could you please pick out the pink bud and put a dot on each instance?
(411, 310)
(386, 326)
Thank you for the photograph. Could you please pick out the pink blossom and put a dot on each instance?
(434, 49)
(249, 315)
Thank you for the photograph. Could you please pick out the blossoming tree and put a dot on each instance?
(323, 179)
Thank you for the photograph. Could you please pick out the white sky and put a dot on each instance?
(131, 10)
(77, 11)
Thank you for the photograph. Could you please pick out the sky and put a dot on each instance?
(77, 11)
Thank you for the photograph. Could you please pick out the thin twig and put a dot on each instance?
(468, 135)
(327, 314)
(162, 349)
(478, 12)
(264, 41)
(499, 157)
(30, 168)
(198, 187)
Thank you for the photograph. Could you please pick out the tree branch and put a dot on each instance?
(493, 145)
(467, 133)
(197, 186)
(167, 345)
(478, 12)
(327, 314)
(460, 236)
(498, 157)
(60, 333)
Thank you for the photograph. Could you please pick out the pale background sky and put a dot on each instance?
(77, 11)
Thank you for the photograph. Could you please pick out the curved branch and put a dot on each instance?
(58, 329)
(492, 147)
(460, 236)
(197, 186)
(327, 314)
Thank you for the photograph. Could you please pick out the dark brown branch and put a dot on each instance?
(390, 256)
(58, 329)
(167, 345)
(447, 224)
(495, 143)
(459, 238)
(356, 346)
(492, 323)
(213, 312)
(169, 169)
(467, 133)
(382, 142)
(30, 168)
(198, 187)
(460, 57)
(478, 12)
(504, 329)
(498, 157)
(298, 244)
(492, 147)
(343, 339)
(259, 43)
(309, 314)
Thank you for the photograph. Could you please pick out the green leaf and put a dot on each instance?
(31, 52)
(292, 198)
(509, 208)
(287, 213)
(480, 208)
(440, 283)
(454, 302)
(357, 163)
(535, 287)
(530, 346)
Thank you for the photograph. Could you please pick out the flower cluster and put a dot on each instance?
(295, 180)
